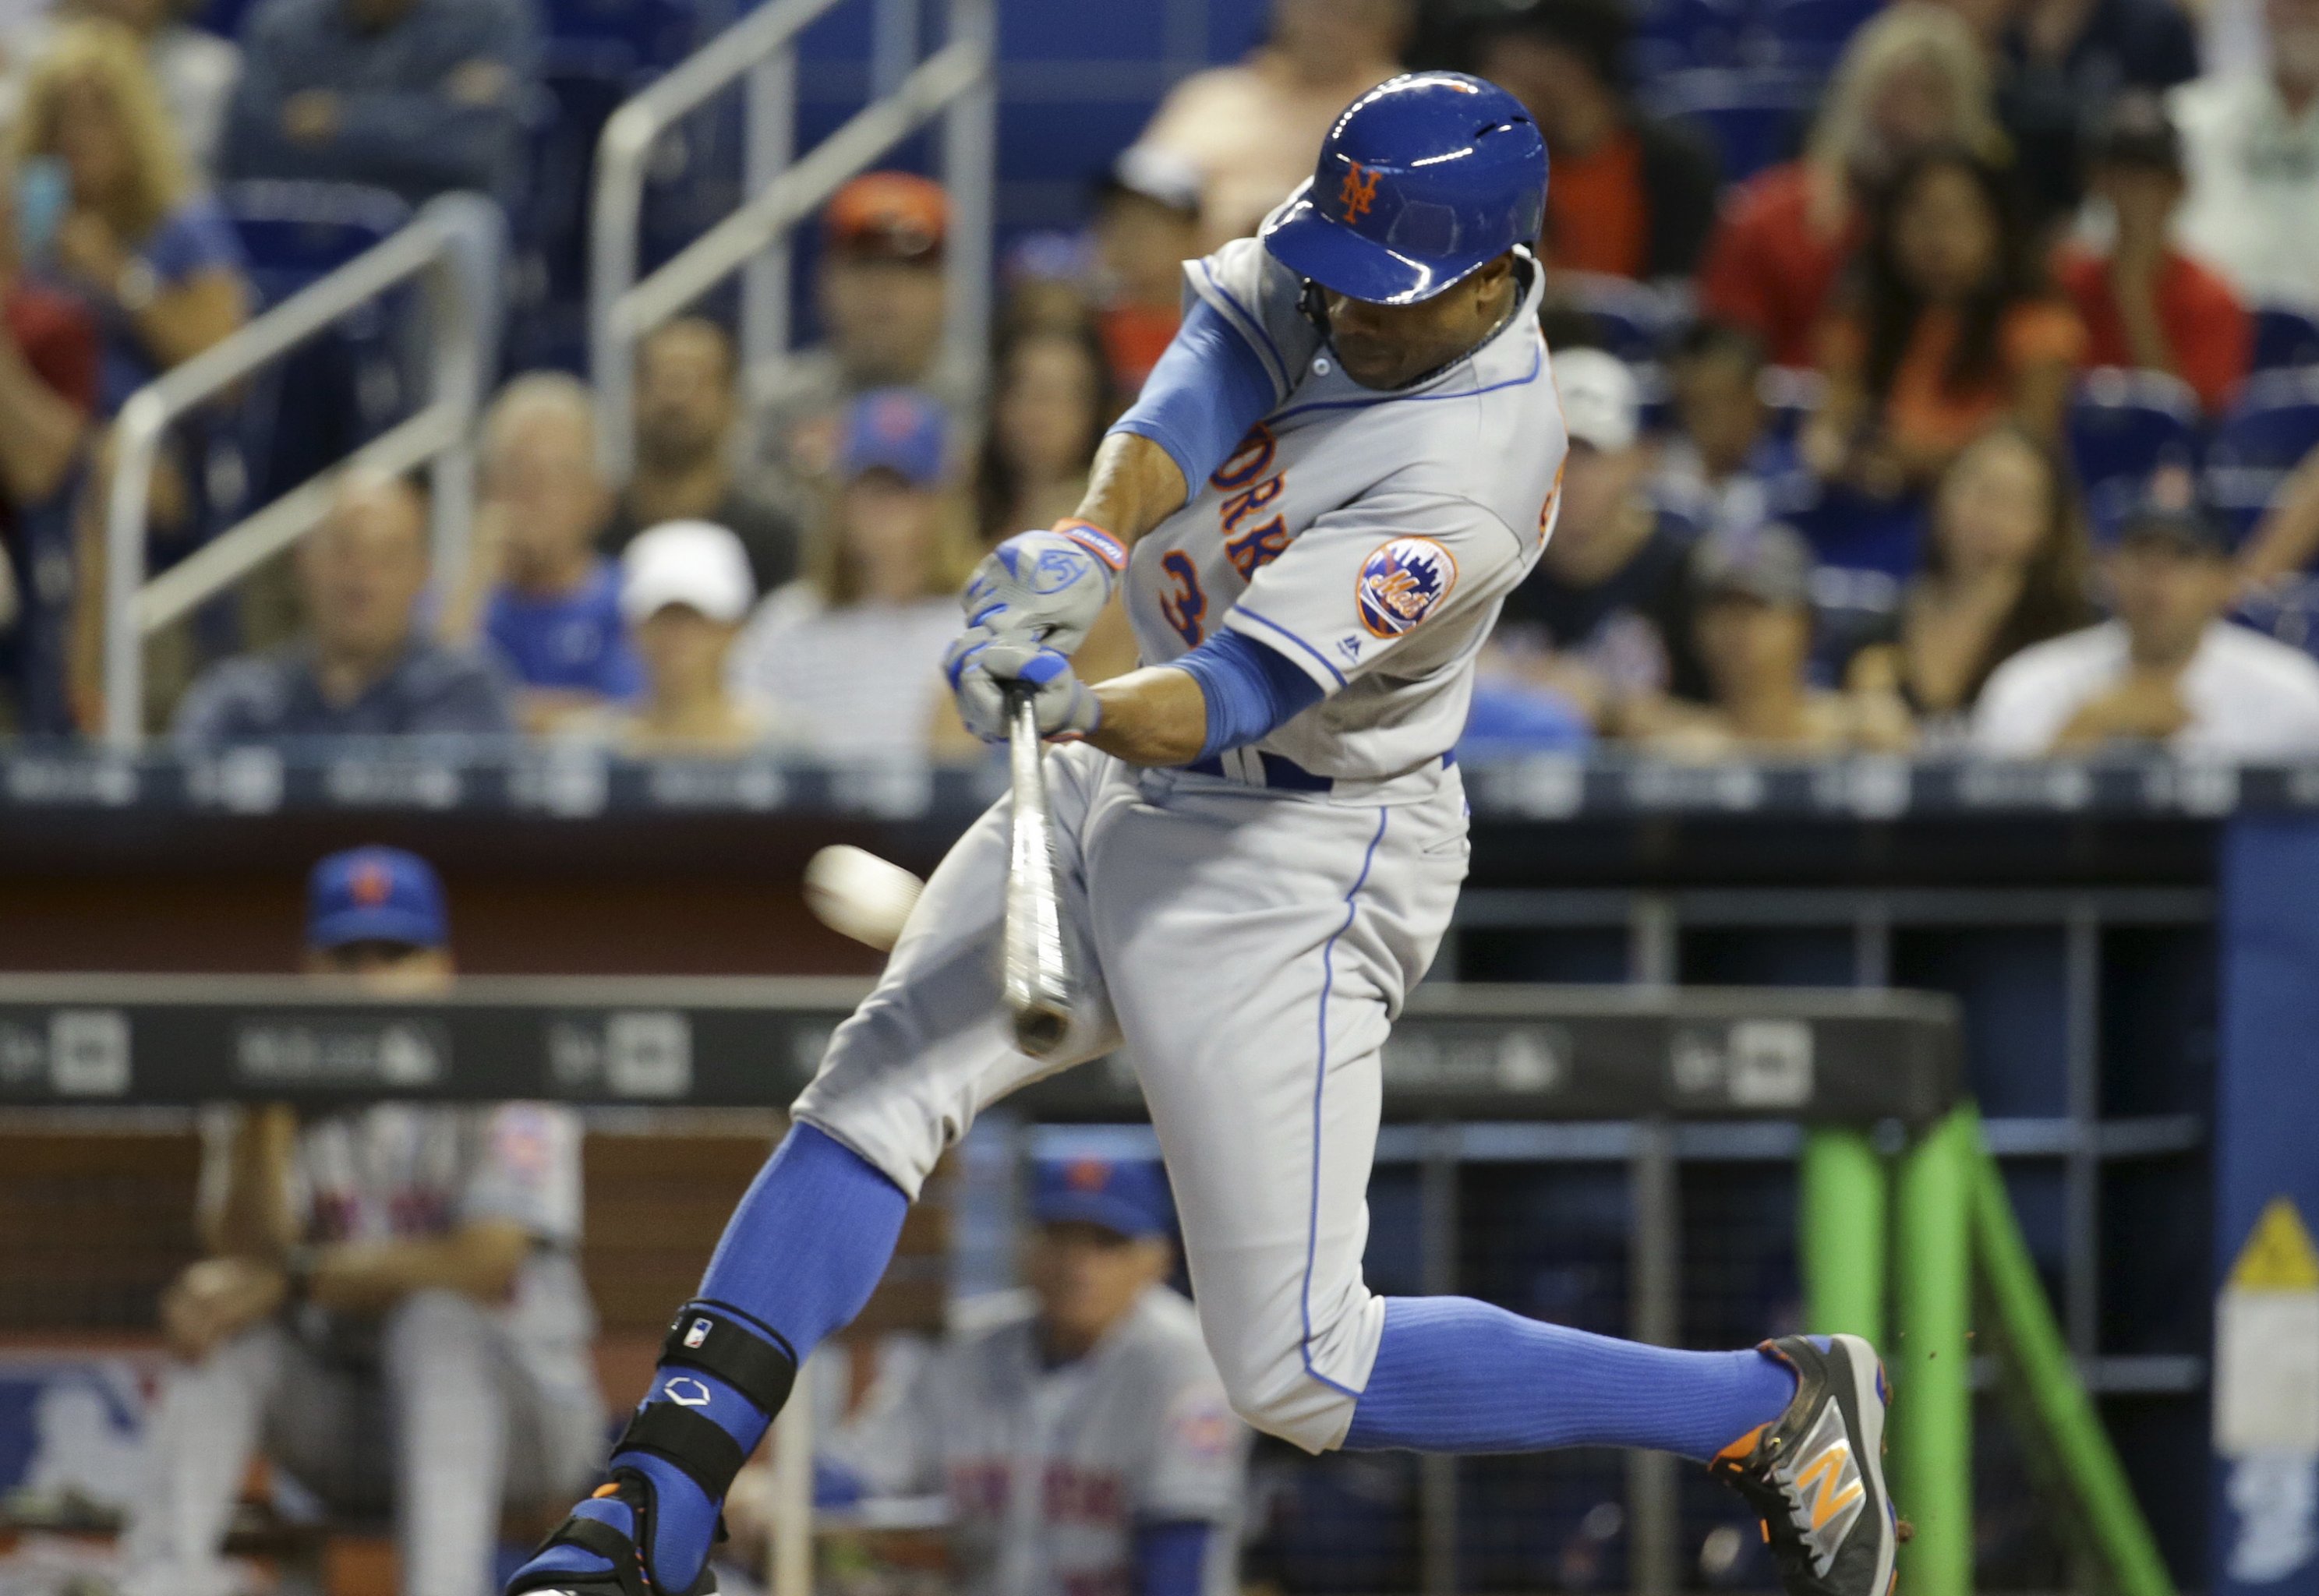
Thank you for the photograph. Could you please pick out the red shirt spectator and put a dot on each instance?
(2145, 304)
(1774, 262)
(1913, 78)
(2210, 332)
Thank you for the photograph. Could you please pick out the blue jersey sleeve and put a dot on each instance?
(1250, 689)
(1209, 388)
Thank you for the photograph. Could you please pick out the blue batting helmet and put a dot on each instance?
(1422, 180)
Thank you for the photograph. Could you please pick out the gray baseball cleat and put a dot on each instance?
(1816, 1477)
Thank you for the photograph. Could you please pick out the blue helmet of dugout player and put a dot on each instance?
(375, 895)
(1127, 1196)
(1422, 180)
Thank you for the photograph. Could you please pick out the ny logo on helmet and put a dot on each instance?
(1359, 192)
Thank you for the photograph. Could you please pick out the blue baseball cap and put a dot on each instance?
(1127, 1196)
(375, 895)
(896, 429)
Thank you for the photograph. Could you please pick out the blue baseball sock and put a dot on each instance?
(800, 1256)
(1453, 1375)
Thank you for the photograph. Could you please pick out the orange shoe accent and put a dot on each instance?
(1766, 1526)
(601, 1492)
(1740, 1450)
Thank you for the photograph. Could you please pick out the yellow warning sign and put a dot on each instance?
(2279, 1254)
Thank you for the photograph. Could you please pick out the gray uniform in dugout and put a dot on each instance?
(1048, 1471)
(486, 1403)
(1249, 936)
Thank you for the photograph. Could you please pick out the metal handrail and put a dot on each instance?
(458, 245)
(955, 83)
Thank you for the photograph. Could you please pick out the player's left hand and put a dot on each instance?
(981, 667)
(1048, 585)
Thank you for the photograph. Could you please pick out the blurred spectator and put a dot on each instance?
(196, 69)
(1911, 79)
(1147, 225)
(2145, 304)
(1604, 620)
(1726, 469)
(156, 260)
(2250, 144)
(688, 411)
(1946, 330)
(537, 589)
(365, 668)
(1097, 1383)
(685, 589)
(1054, 402)
(392, 1307)
(2055, 64)
(1254, 131)
(1753, 626)
(882, 291)
(2004, 568)
(849, 655)
(2168, 670)
(1631, 196)
(48, 389)
(420, 97)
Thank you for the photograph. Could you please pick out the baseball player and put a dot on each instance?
(1346, 459)
(393, 1271)
(1081, 1438)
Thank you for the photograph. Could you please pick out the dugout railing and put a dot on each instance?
(781, 189)
(1897, 1197)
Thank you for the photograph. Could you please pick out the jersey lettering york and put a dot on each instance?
(1365, 536)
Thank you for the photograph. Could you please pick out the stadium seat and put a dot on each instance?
(1755, 118)
(351, 381)
(2126, 424)
(1673, 35)
(2274, 425)
(1808, 35)
(2284, 338)
(295, 232)
(660, 33)
(1632, 319)
(1793, 393)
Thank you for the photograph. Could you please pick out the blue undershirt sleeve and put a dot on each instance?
(1199, 401)
(1172, 1559)
(1250, 690)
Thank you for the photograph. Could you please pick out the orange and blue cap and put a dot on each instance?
(1127, 1196)
(375, 895)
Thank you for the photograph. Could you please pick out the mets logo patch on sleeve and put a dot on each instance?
(1402, 582)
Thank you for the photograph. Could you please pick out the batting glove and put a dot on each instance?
(981, 668)
(1046, 585)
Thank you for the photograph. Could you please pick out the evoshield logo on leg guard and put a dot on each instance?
(694, 1395)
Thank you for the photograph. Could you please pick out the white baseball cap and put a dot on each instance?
(1602, 404)
(694, 562)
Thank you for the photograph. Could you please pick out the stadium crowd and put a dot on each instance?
(1981, 424)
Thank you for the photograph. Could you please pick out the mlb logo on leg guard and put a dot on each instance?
(1402, 583)
(696, 1335)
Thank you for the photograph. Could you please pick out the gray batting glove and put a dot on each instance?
(981, 668)
(1046, 585)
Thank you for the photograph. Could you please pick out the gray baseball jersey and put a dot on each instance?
(1367, 536)
(397, 1170)
(1247, 941)
(1049, 1471)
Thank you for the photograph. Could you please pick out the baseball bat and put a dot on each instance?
(1037, 972)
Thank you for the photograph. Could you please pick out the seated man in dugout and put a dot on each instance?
(392, 1307)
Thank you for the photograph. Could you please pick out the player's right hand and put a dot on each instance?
(982, 669)
(1049, 586)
